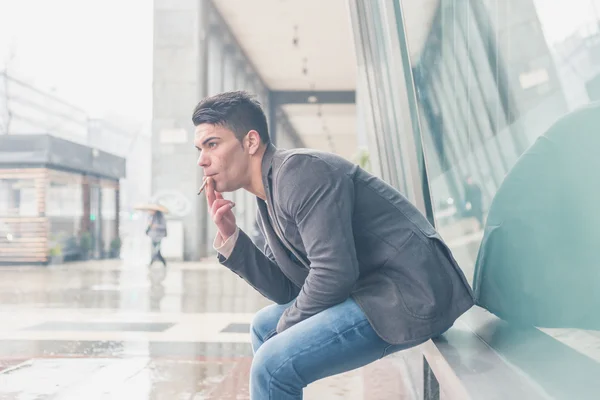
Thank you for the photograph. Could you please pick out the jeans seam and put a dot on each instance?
(268, 336)
(385, 350)
(310, 348)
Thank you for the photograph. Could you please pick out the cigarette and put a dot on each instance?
(203, 186)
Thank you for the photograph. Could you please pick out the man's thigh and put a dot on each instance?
(335, 340)
(264, 323)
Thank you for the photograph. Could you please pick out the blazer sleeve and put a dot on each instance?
(259, 270)
(320, 199)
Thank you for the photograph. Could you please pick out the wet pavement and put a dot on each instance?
(117, 330)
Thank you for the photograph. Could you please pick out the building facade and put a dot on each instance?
(59, 200)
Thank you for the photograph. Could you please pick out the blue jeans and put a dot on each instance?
(336, 340)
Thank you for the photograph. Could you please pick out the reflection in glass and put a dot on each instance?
(511, 155)
(538, 263)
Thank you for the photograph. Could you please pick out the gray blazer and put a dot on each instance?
(334, 231)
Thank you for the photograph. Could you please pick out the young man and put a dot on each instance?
(356, 270)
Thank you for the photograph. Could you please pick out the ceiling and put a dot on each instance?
(323, 57)
(334, 130)
(266, 30)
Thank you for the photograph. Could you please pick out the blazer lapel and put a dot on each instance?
(294, 272)
(267, 168)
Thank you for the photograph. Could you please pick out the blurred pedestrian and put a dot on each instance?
(157, 231)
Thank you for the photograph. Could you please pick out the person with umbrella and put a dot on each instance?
(156, 230)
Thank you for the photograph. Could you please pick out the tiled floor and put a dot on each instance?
(116, 330)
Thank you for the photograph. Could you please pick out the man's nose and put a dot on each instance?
(203, 160)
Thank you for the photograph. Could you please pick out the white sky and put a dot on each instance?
(560, 18)
(96, 54)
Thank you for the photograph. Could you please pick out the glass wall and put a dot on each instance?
(381, 94)
(46, 212)
(18, 197)
(64, 210)
(486, 97)
(81, 213)
(487, 110)
(109, 215)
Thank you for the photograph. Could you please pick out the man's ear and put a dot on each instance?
(253, 141)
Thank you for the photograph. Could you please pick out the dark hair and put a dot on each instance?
(238, 111)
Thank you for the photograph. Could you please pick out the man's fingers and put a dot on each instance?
(210, 191)
(221, 213)
(219, 203)
(229, 217)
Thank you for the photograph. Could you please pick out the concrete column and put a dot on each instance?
(180, 67)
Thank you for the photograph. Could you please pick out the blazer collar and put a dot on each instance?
(266, 165)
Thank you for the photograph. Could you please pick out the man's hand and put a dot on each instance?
(220, 211)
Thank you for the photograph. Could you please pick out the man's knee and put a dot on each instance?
(262, 364)
(272, 366)
(264, 323)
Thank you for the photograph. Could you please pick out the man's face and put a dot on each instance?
(222, 157)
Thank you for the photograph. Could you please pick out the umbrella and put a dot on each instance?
(151, 207)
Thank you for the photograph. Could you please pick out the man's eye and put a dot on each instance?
(212, 145)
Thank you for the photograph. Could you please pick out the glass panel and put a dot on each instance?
(109, 216)
(95, 218)
(506, 92)
(383, 97)
(64, 209)
(18, 198)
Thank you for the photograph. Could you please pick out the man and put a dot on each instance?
(356, 271)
